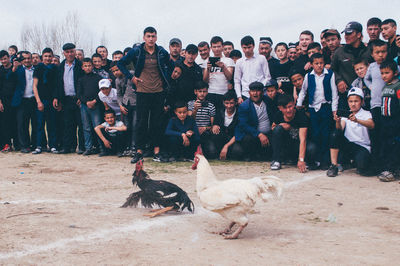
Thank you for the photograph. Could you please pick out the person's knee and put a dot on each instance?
(237, 151)
(334, 139)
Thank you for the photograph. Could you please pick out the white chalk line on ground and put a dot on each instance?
(54, 201)
(106, 234)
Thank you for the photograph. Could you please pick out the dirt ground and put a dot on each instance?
(64, 210)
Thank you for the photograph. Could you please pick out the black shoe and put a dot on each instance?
(137, 157)
(103, 153)
(119, 154)
(80, 152)
(332, 171)
(65, 151)
(157, 157)
(88, 152)
(25, 150)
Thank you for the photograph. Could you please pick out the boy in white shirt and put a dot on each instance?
(354, 143)
(108, 96)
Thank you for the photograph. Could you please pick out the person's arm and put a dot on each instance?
(106, 142)
(120, 128)
(40, 106)
(265, 67)
(224, 150)
(335, 96)
(126, 60)
(369, 123)
(237, 79)
(227, 70)
(301, 165)
(206, 72)
(170, 130)
(303, 91)
(368, 78)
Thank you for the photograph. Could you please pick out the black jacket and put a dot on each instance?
(219, 121)
(59, 93)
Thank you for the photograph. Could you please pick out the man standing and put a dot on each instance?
(152, 67)
(175, 48)
(265, 49)
(389, 28)
(204, 51)
(374, 29)
(69, 72)
(342, 60)
(249, 68)
(102, 50)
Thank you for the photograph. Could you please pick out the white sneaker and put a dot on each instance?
(275, 165)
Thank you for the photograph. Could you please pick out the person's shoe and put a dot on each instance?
(157, 157)
(386, 176)
(275, 165)
(313, 166)
(126, 152)
(25, 150)
(137, 157)
(103, 153)
(340, 168)
(332, 171)
(38, 150)
(171, 159)
(188, 159)
(119, 154)
(80, 152)
(6, 148)
(89, 152)
(54, 151)
(65, 151)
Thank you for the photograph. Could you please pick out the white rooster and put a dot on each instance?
(233, 199)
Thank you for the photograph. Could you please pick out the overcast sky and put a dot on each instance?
(123, 21)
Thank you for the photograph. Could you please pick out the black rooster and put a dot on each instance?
(157, 193)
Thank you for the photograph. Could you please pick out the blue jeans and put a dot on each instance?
(321, 127)
(48, 116)
(130, 121)
(90, 119)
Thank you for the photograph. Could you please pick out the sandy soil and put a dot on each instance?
(64, 210)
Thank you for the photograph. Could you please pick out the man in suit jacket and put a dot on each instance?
(255, 119)
(69, 72)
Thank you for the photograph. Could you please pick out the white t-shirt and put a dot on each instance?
(113, 131)
(111, 100)
(201, 62)
(217, 82)
(356, 132)
(228, 118)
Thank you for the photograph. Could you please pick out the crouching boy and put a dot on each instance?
(354, 143)
(111, 134)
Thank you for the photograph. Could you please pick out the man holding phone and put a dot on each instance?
(218, 73)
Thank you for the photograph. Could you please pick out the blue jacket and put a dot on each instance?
(248, 120)
(20, 89)
(59, 93)
(137, 55)
(312, 86)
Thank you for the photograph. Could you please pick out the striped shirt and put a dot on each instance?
(204, 114)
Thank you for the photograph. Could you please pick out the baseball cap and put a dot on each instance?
(266, 40)
(175, 40)
(256, 86)
(104, 83)
(352, 26)
(191, 48)
(272, 83)
(331, 32)
(68, 46)
(356, 91)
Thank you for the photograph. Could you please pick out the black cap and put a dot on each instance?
(272, 83)
(291, 45)
(256, 85)
(68, 46)
(266, 40)
(352, 26)
(175, 40)
(191, 48)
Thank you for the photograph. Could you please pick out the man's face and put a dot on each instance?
(35, 59)
(271, 92)
(304, 41)
(103, 52)
(297, 80)
(190, 57)
(27, 62)
(116, 72)
(150, 39)
(230, 105)
(79, 55)
(87, 67)
(387, 74)
(217, 49)
(333, 42)
(106, 91)
(55, 61)
(352, 38)
(292, 54)
(265, 49)
(97, 62)
(313, 51)
(117, 57)
(360, 69)
(288, 111)
(354, 102)
(227, 50)
(204, 52)
(5, 61)
(318, 65)
(256, 95)
(388, 31)
(47, 58)
(175, 50)
(12, 51)
(281, 52)
(299, 51)
(70, 55)
(201, 94)
(110, 119)
(248, 50)
(181, 113)
(373, 32)
(323, 41)
(379, 53)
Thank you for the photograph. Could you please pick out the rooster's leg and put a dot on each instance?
(158, 212)
(227, 230)
(236, 233)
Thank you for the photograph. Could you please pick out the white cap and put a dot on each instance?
(104, 83)
(356, 91)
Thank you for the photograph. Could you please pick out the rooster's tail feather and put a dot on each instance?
(273, 186)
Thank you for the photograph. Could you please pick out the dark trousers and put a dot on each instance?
(286, 147)
(72, 121)
(178, 150)
(9, 123)
(117, 141)
(26, 114)
(130, 120)
(235, 151)
(375, 137)
(351, 151)
(149, 111)
(252, 148)
(48, 117)
(321, 128)
(208, 145)
(389, 152)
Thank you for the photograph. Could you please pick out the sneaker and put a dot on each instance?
(275, 165)
(38, 150)
(7, 148)
(313, 166)
(80, 152)
(137, 157)
(157, 157)
(54, 151)
(171, 159)
(340, 168)
(332, 171)
(88, 152)
(386, 176)
(25, 150)
(119, 154)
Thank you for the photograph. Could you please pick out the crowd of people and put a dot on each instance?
(317, 105)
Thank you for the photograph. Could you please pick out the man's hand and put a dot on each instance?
(223, 153)
(301, 166)
(78, 102)
(342, 86)
(336, 117)
(352, 117)
(40, 106)
(197, 105)
(202, 130)
(220, 64)
(57, 105)
(263, 139)
(307, 66)
(215, 129)
(240, 100)
(286, 126)
(107, 143)
(186, 141)
(123, 109)
(398, 41)
(189, 133)
(136, 80)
